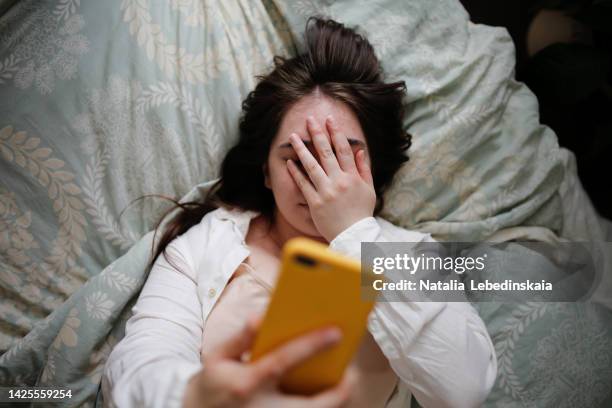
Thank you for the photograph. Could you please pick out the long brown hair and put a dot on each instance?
(342, 64)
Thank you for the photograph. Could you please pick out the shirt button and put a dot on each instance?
(212, 292)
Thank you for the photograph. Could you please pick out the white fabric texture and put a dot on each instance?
(441, 352)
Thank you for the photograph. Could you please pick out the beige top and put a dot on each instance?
(248, 292)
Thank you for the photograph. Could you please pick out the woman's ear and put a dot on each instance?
(266, 174)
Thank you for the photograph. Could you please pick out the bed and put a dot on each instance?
(104, 102)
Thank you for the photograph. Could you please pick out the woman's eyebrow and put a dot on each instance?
(308, 143)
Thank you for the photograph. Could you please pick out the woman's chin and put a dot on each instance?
(305, 225)
(311, 231)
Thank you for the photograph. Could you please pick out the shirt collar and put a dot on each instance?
(239, 217)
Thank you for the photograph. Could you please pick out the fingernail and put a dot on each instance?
(311, 119)
(333, 335)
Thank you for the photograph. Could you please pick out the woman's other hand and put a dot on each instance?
(227, 381)
(338, 187)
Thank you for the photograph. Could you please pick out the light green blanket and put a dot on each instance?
(103, 102)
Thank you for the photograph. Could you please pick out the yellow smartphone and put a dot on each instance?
(316, 287)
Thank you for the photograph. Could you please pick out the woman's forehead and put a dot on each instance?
(318, 106)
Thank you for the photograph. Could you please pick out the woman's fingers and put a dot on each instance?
(335, 397)
(364, 168)
(323, 147)
(274, 364)
(312, 167)
(242, 382)
(338, 395)
(305, 186)
(344, 152)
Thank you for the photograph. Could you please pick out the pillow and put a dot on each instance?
(104, 102)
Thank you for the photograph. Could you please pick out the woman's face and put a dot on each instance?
(292, 210)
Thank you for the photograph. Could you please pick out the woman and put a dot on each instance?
(321, 138)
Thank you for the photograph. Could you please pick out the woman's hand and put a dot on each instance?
(339, 190)
(227, 382)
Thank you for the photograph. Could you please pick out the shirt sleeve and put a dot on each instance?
(160, 352)
(440, 350)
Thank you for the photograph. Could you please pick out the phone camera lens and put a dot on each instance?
(305, 260)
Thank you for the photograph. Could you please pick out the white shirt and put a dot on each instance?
(441, 351)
